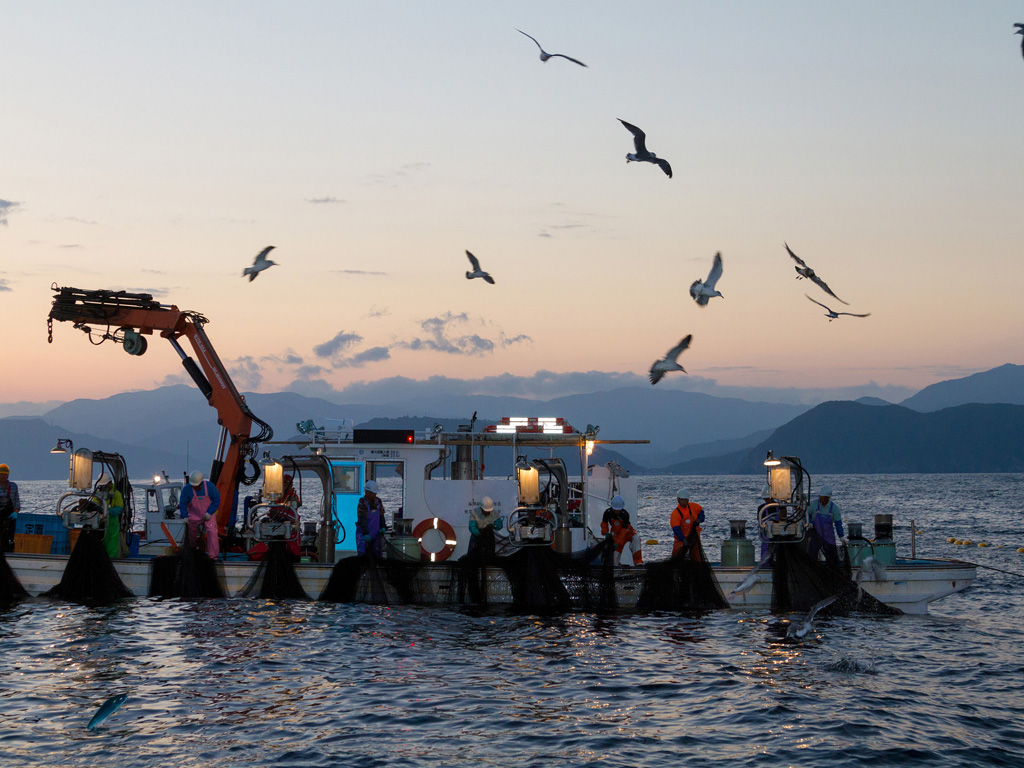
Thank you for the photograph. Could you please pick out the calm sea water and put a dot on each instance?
(249, 682)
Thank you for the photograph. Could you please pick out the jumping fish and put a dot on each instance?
(109, 707)
(801, 631)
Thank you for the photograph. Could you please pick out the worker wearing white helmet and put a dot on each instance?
(106, 493)
(685, 522)
(199, 502)
(370, 524)
(826, 522)
(616, 527)
(484, 522)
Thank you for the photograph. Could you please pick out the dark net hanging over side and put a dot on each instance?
(275, 577)
(89, 576)
(10, 588)
(374, 580)
(187, 575)
(800, 581)
(685, 582)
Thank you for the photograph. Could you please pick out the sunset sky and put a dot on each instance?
(157, 147)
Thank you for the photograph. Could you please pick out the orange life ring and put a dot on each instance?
(449, 539)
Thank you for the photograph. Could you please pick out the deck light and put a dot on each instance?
(771, 461)
(63, 446)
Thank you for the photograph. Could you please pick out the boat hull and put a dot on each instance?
(909, 585)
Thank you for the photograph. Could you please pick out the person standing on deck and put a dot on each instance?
(615, 525)
(483, 523)
(106, 492)
(10, 506)
(685, 522)
(826, 521)
(198, 502)
(370, 523)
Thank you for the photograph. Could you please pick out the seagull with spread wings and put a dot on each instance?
(260, 263)
(832, 314)
(544, 55)
(477, 272)
(800, 631)
(802, 271)
(1020, 31)
(703, 292)
(642, 155)
(668, 362)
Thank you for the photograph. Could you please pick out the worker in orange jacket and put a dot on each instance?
(685, 521)
(615, 525)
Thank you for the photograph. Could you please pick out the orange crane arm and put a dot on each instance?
(130, 317)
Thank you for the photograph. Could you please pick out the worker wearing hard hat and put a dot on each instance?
(370, 523)
(483, 523)
(10, 505)
(198, 502)
(826, 522)
(106, 494)
(685, 521)
(616, 527)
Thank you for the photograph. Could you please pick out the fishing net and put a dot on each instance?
(10, 588)
(685, 582)
(375, 580)
(89, 576)
(188, 574)
(800, 581)
(275, 577)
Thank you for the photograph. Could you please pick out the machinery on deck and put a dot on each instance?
(127, 319)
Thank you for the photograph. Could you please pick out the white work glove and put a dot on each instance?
(205, 518)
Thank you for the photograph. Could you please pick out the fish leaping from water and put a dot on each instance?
(260, 263)
(642, 155)
(544, 55)
(477, 272)
(832, 314)
(107, 708)
(800, 631)
(802, 271)
(871, 570)
(668, 362)
(703, 292)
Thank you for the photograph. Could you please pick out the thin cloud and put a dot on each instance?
(371, 355)
(374, 312)
(6, 207)
(338, 344)
(3, 285)
(358, 272)
(324, 200)
(246, 373)
(507, 341)
(439, 338)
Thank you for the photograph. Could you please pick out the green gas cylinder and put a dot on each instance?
(737, 550)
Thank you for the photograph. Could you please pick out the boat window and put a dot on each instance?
(347, 480)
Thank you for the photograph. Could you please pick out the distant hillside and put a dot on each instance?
(714, 449)
(1004, 384)
(25, 444)
(178, 418)
(868, 400)
(846, 437)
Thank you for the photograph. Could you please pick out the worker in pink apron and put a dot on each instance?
(198, 502)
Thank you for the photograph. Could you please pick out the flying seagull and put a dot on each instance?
(832, 314)
(801, 631)
(752, 578)
(703, 292)
(804, 271)
(260, 263)
(668, 362)
(544, 55)
(642, 155)
(477, 272)
(1020, 31)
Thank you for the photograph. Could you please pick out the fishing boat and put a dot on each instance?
(542, 484)
(552, 516)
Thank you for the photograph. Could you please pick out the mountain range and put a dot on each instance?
(976, 418)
